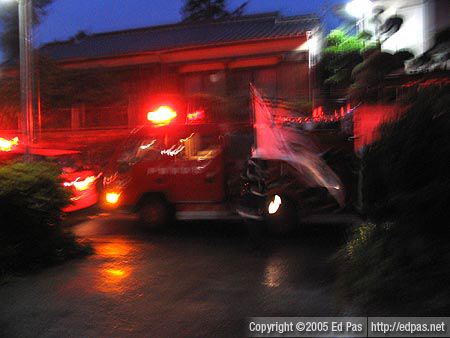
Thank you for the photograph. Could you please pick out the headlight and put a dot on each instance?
(112, 197)
(274, 205)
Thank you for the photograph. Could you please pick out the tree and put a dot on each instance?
(200, 10)
(9, 102)
(9, 19)
(369, 75)
(341, 54)
(435, 58)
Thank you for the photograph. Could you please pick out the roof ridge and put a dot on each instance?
(183, 35)
(245, 18)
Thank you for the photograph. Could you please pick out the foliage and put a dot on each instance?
(387, 271)
(199, 10)
(401, 260)
(370, 73)
(31, 236)
(9, 102)
(9, 39)
(340, 42)
(435, 58)
(344, 52)
(341, 53)
(408, 163)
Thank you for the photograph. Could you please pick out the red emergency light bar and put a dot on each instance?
(162, 116)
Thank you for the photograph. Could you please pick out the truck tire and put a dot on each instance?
(154, 213)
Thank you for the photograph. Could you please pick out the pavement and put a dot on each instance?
(196, 280)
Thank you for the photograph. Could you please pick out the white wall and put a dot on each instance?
(419, 23)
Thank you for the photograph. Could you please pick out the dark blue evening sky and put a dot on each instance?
(67, 17)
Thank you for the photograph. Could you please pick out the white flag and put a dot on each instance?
(277, 143)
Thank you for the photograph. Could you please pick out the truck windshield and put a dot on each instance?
(189, 146)
(199, 146)
(137, 148)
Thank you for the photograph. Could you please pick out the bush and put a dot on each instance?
(406, 173)
(369, 74)
(31, 236)
(399, 262)
(387, 271)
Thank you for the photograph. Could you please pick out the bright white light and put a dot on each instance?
(162, 116)
(173, 151)
(146, 146)
(359, 8)
(8, 145)
(112, 197)
(274, 205)
(313, 45)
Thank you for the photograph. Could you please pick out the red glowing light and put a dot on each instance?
(162, 116)
(196, 116)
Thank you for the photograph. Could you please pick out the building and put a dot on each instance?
(422, 20)
(220, 58)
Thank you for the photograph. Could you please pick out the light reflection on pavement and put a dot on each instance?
(274, 273)
(115, 274)
(193, 281)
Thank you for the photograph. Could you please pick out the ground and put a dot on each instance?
(198, 280)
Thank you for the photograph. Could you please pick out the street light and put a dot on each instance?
(359, 9)
(26, 70)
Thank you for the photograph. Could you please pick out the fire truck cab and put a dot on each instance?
(187, 171)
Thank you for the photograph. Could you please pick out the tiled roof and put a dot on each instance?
(262, 26)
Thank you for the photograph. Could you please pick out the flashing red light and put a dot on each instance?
(8, 145)
(162, 116)
(196, 116)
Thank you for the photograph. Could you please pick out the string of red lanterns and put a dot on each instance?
(317, 116)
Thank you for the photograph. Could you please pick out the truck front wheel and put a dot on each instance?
(284, 219)
(154, 213)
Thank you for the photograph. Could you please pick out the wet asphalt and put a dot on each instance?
(199, 279)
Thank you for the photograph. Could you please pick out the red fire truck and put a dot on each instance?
(184, 166)
(179, 166)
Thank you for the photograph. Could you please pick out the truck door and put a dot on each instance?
(199, 173)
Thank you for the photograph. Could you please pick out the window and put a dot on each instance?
(293, 81)
(136, 149)
(264, 78)
(266, 81)
(239, 83)
(205, 82)
(200, 147)
(193, 84)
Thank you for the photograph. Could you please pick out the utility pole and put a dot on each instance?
(26, 71)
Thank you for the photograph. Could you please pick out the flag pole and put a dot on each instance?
(252, 115)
